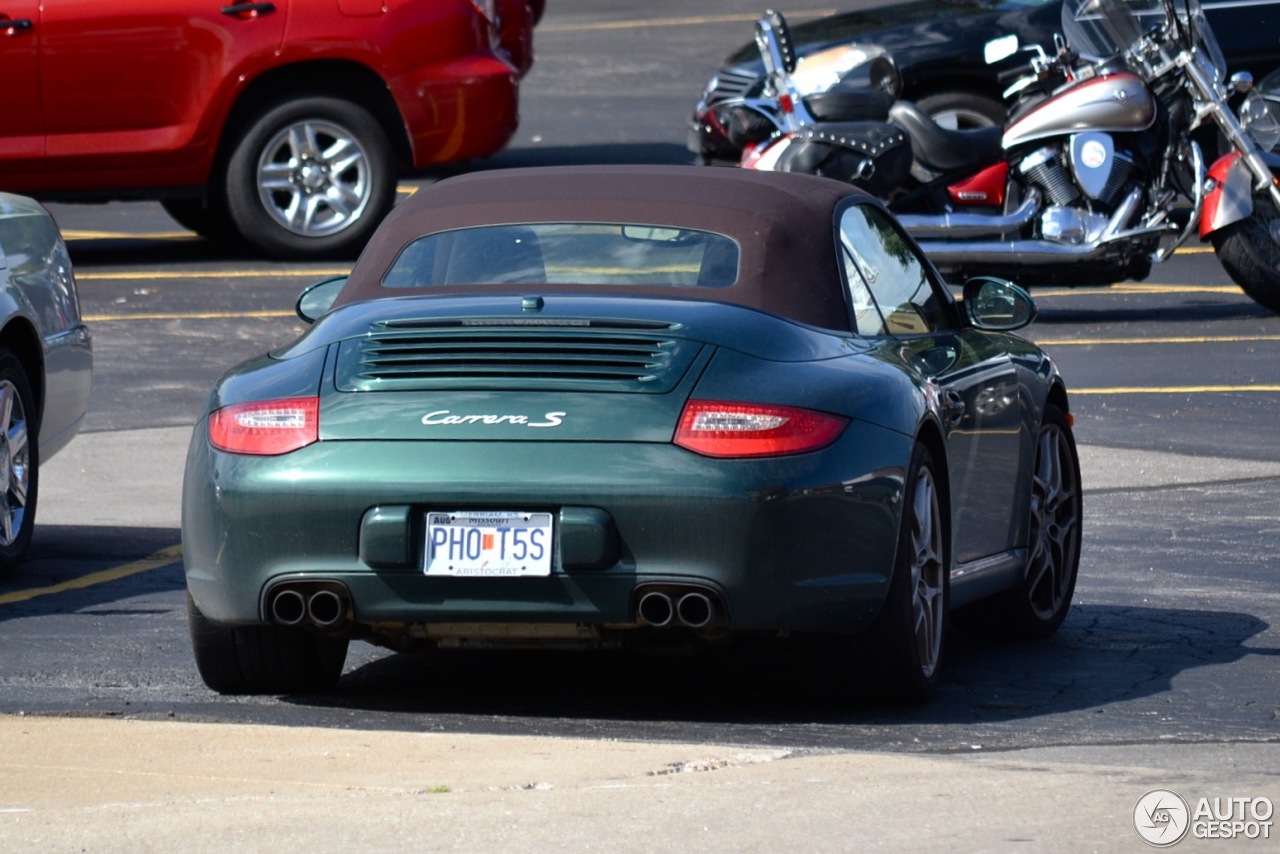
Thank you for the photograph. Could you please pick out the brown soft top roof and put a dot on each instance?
(783, 223)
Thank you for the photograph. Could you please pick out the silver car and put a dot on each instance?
(46, 363)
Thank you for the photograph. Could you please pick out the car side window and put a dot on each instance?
(884, 273)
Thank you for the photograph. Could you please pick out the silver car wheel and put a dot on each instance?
(928, 572)
(15, 463)
(1055, 524)
(314, 178)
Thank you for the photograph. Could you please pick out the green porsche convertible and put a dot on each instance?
(652, 407)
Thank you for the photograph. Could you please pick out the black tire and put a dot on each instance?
(19, 462)
(1249, 250)
(341, 175)
(264, 659)
(903, 649)
(209, 220)
(963, 110)
(1039, 604)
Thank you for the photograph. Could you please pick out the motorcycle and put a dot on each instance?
(1099, 172)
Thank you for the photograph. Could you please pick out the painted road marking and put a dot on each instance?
(202, 315)
(1180, 339)
(1193, 389)
(153, 275)
(676, 22)
(160, 559)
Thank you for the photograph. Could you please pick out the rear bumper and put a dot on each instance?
(797, 543)
(458, 110)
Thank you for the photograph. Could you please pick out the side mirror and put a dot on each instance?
(1001, 48)
(316, 300)
(997, 305)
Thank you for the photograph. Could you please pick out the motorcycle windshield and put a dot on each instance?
(1106, 28)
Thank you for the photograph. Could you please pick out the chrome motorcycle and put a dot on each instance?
(1099, 172)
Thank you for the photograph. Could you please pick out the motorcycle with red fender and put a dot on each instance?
(1099, 172)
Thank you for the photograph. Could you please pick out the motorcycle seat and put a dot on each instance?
(942, 149)
(849, 105)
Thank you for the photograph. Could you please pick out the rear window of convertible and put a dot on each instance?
(567, 253)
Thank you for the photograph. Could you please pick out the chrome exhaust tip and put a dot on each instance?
(288, 608)
(656, 609)
(695, 610)
(326, 608)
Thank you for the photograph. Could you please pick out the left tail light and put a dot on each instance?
(715, 428)
(266, 427)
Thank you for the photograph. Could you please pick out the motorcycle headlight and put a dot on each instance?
(1260, 117)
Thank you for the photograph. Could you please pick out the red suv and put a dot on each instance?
(286, 122)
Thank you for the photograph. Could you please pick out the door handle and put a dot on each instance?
(249, 10)
(953, 407)
(10, 27)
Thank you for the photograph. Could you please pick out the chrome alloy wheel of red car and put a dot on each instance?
(314, 178)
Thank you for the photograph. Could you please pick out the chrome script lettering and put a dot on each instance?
(444, 417)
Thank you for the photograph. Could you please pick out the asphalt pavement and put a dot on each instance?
(94, 784)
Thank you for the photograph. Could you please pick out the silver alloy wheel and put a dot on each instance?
(314, 178)
(928, 572)
(15, 463)
(1055, 524)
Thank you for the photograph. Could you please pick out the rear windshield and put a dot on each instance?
(567, 253)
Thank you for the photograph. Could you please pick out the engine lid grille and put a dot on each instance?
(515, 354)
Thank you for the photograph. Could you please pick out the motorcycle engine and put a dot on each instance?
(1082, 180)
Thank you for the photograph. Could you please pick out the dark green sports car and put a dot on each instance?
(646, 406)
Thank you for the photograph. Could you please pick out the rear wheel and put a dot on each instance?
(263, 659)
(1039, 604)
(903, 649)
(963, 110)
(1249, 251)
(311, 177)
(19, 462)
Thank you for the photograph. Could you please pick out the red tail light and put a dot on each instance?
(715, 428)
(266, 427)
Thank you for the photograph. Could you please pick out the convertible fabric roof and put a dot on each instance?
(784, 224)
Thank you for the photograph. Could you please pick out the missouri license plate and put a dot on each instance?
(488, 543)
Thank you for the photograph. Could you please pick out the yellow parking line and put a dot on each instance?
(1184, 339)
(162, 558)
(154, 275)
(675, 22)
(81, 234)
(1191, 389)
(1126, 289)
(201, 315)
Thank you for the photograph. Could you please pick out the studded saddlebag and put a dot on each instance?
(874, 156)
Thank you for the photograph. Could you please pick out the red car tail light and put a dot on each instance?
(266, 427)
(716, 428)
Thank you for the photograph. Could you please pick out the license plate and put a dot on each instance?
(482, 544)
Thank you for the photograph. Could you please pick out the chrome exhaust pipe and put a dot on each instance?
(695, 610)
(326, 608)
(656, 609)
(959, 226)
(288, 608)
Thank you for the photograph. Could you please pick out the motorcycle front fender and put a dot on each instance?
(1231, 198)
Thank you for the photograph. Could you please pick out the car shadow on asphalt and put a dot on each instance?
(1190, 311)
(86, 568)
(1103, 655)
